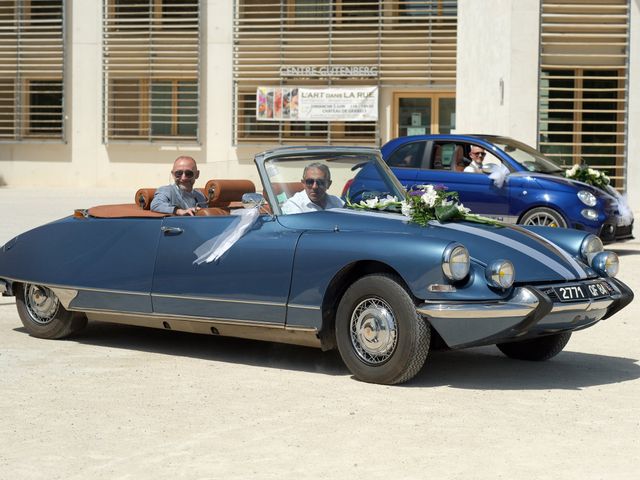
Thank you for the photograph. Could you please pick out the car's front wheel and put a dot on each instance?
(536, 349)
(43, 315)
(543, 217)
(380, 336)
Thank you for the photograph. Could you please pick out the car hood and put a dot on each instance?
(535, 259)
(553, 182)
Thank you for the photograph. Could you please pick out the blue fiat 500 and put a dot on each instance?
(531, 189)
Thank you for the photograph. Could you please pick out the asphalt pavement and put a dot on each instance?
(119, 402)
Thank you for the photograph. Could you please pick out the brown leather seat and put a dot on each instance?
(124, 210)
(458, 163)
(144, 196)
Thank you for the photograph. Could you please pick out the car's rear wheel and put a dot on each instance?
(43, 315)
(380, 336)
(543, 217)
(536, 349)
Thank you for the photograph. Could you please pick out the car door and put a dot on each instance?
(477, 191)
(250, 282)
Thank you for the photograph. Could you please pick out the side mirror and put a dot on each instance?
(252, 200)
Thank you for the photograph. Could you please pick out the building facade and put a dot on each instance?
(109, 92)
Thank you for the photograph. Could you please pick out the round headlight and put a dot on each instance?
(589, 247)
(455, 262)
(606, 263)
(500, 273)
(588, 198)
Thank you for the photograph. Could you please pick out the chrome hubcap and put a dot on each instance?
(373, 331)
(42, 304)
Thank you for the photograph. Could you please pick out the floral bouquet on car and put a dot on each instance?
(583, 173)
(423, 204)
(599, 180)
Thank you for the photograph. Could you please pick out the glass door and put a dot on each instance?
(423, 113)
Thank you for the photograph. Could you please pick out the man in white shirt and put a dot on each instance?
(316, 179)
(477, 155)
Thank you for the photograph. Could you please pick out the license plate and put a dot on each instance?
(583, 291)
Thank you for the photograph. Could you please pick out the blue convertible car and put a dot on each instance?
(373, 283)
(535, 191)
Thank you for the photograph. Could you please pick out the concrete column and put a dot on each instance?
(497, 80)
(633, 125)
(84, 94)
(218, 89)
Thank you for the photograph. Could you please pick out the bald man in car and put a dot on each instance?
(180, 198)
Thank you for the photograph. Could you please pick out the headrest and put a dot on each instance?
(221, 193)
(143, 197)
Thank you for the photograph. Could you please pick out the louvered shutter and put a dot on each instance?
(151, 70)
(583, 83)
(32, 46)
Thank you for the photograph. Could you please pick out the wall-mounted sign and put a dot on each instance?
(347, 104)
(329, 71)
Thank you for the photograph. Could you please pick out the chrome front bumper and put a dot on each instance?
(527, 313)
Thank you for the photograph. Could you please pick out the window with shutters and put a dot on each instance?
(408, 42)
(32, 70)
(151, 69)
(583, 84)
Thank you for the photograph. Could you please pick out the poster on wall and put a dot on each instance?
(346, 104)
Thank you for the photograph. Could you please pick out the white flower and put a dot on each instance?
(463, 210)
(406, 209)
(572, 171)
(429, 198)
(371, 202)
(446, 203)
(385, 202)
(591, 171)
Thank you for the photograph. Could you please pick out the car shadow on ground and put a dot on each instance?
(210, 347)
(487, 368)
(476, 368)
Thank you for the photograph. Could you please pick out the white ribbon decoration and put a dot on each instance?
(499, 175)
(626, 215)
(214, 248)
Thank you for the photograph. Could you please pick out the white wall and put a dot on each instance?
(497, 80)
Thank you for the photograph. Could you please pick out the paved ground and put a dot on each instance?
(129, 403)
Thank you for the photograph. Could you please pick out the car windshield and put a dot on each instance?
(354, 176)
(528, 157)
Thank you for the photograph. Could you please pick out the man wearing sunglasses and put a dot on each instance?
(180, 198)
(477, 155)
(316, 179)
